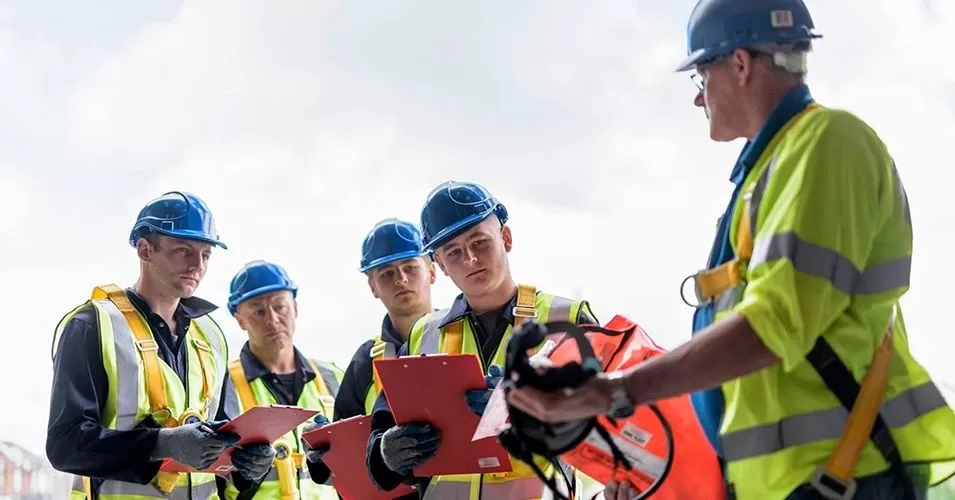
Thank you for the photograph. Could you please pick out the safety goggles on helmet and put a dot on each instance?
(454, 207)
(527, 436)
(179, 215)
(257, 278)
(391, 240)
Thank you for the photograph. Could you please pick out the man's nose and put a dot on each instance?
(698, 100)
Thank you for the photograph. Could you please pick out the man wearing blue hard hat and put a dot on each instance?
(797, 318)
(125, 398)
(400, 274)
(465, 228)
(271, 370)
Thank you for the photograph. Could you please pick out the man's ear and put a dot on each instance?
(372, 287)
(507, 238)
(295, 306)
(144, 250)
(432, 273)
(743, 64)
(241, 322)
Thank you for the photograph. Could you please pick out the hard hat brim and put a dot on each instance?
(391, 258)
(452, 231)
(251, 294)
(184, 234)
(691, 60)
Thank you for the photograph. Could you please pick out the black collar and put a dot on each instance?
(461, 309)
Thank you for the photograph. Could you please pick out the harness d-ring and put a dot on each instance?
(701, 302)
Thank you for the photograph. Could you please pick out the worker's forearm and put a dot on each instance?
(724, 351)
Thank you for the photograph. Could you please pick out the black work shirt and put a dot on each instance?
(382, 420)
(76, 441)
(358, 377)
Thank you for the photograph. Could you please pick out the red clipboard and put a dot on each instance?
(346, 459)
(431, 389)
(261, 424)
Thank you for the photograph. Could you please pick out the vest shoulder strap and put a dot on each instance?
(242, 386)
(200, 340)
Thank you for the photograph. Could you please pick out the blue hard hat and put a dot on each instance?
(718, 27)
(256, 278)
(391, 240)
(454, 207)
(177, 214)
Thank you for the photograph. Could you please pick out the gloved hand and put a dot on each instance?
(315, 455)
(405, 447)
(477, 400)
(197, 444)
(253, 461)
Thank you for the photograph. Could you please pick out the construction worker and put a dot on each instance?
(465, 229)
(138, 373)
(400, 274)
(271, 370)
(802, 292)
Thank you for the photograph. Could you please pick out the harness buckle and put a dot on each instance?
(524, 312)
(147, 345)
(831, 487)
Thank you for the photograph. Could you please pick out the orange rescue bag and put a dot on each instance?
(694, 472)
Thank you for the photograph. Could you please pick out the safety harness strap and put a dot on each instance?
(146, 346)
(835, 479)
(524, 309)
(148, 350)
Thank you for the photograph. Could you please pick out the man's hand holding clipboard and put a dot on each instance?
(428, 396)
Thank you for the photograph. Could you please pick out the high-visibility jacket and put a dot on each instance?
(826, 222)
(289, 478)
(429, 337)
(141, 384)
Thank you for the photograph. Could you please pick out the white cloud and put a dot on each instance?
(298, 121)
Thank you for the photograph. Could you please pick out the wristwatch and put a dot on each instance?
(621, 404)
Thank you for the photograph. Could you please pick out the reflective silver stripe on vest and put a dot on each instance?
(390, 351)
(827, 264)
(431, 334)
(331, 382)
(824, 262)
(905, 197)
(211, 332)
(560, 310)
(200, 492)
(127, 368)
(826, 424)
(529, 488)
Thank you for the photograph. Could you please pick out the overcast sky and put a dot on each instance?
(302, 123)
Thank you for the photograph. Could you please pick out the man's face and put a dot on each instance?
(177, 264)
(476, 260)
(724, 83)
(269, 319)
(404, 286)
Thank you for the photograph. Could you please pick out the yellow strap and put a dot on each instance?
(858, 426)
(242, 386)
(377, 352)
(524, 309)
(145, 344)
(285, 467)
(88, 488)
